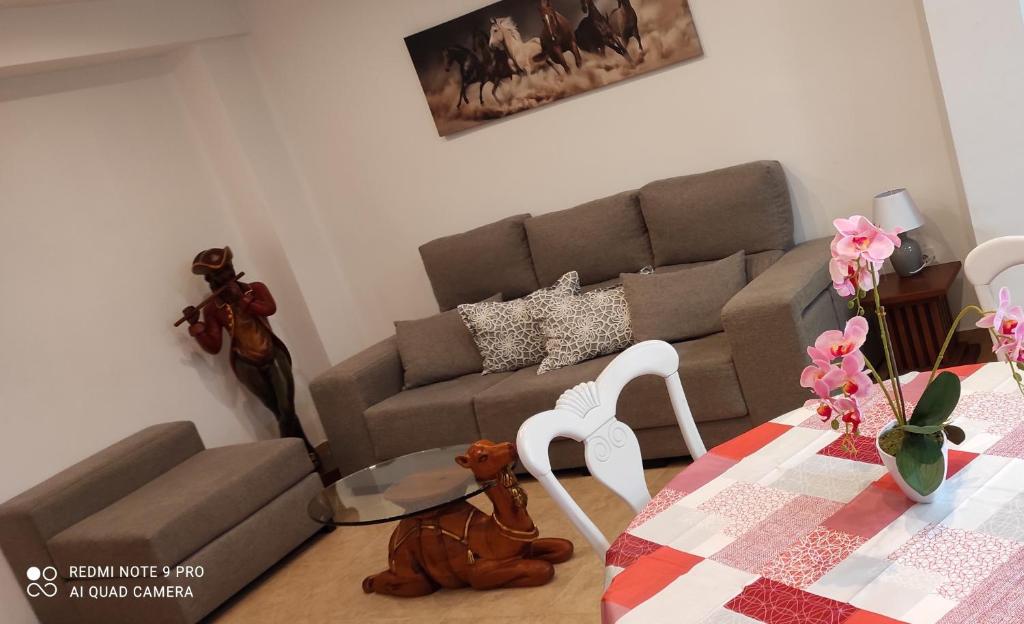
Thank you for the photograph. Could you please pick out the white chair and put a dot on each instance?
(586, 413)
(988, 260)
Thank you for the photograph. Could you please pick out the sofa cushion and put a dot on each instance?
(184, 509)
(432, 416)
(508, 334)
(437, 348)
(598, 239)
(713, 215)
(472, 266)
(683, 304)
(760, 262)
(585, 326)
(709, 381)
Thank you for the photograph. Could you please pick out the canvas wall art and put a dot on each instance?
(515, 55)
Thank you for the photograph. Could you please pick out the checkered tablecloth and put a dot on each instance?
(782, 525)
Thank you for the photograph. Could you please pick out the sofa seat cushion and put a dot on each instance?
(431, 416)
(184, 509)
(469, 267)
(598, 239)
(712, 215)
(708, 376)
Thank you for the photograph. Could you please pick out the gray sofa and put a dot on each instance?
(159, 498)
(734, 379)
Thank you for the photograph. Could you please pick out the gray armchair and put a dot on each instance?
(159, 498)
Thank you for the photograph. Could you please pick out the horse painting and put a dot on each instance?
(496, 66)
(557, 38)
(624, 22)
(595, 33)
(505, 37)
(470, 70)
(519, 51)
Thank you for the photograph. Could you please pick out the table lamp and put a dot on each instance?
(896, 209)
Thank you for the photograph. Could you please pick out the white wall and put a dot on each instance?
(112, 176)
(104, 198)
(979, 53)
(841, 92)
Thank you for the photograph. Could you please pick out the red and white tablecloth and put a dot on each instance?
(782, 525)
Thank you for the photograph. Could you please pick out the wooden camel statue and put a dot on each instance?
(459, 545)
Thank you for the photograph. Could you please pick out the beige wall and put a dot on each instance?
(112, 176)
(841, 92)
(979, 53)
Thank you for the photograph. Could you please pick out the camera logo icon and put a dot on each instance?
(41, 582)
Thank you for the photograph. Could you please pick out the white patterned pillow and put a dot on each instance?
(583, 327)
(506, 333)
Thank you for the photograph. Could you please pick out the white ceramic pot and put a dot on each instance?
(890, 464)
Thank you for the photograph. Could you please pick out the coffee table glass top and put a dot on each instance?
(398, 488)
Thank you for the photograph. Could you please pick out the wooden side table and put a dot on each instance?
(917, 308)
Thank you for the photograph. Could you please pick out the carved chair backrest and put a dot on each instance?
(586, 413)
(987, 261)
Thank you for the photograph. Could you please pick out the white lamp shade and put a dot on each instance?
(896, 209)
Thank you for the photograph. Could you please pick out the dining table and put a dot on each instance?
(790, 522)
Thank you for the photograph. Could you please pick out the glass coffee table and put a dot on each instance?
(411, 485)
(440, 539)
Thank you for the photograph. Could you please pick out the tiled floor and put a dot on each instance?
(321, 581)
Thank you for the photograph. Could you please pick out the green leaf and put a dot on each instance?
(920, 463)
(835, 425)
(955, 434)
(1020, 365)
(938, 401)
(927, 430)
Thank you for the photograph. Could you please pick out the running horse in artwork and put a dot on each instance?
(595, 33)
(495, 61)
(505, 38)
(557, 38)
(471, 70)
(460, 546)
(625, 24)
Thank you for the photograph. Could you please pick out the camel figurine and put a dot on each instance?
(461, 546)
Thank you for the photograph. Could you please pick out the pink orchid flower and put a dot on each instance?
(823, 407)
(841, 343)
(860, 238)
(846, 277)
(1012, 346)
(822, 377)
(1006, 319)
(850, 412)
(855, 382)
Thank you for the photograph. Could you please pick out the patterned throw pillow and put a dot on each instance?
(506, 333)
(583, 327)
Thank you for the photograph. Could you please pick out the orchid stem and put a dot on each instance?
(890, 363)
(881, 384)
(949, 337)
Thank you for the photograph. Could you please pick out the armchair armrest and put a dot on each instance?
(29, 520)
(343, 394)
(770, 323)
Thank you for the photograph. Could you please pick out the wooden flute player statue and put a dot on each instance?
(458, 545)
(259, 359)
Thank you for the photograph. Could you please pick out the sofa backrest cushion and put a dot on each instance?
(472, 266)
(684, 303)
(712, 215)
(599, 240)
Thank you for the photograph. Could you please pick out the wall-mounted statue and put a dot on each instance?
(259, 358)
